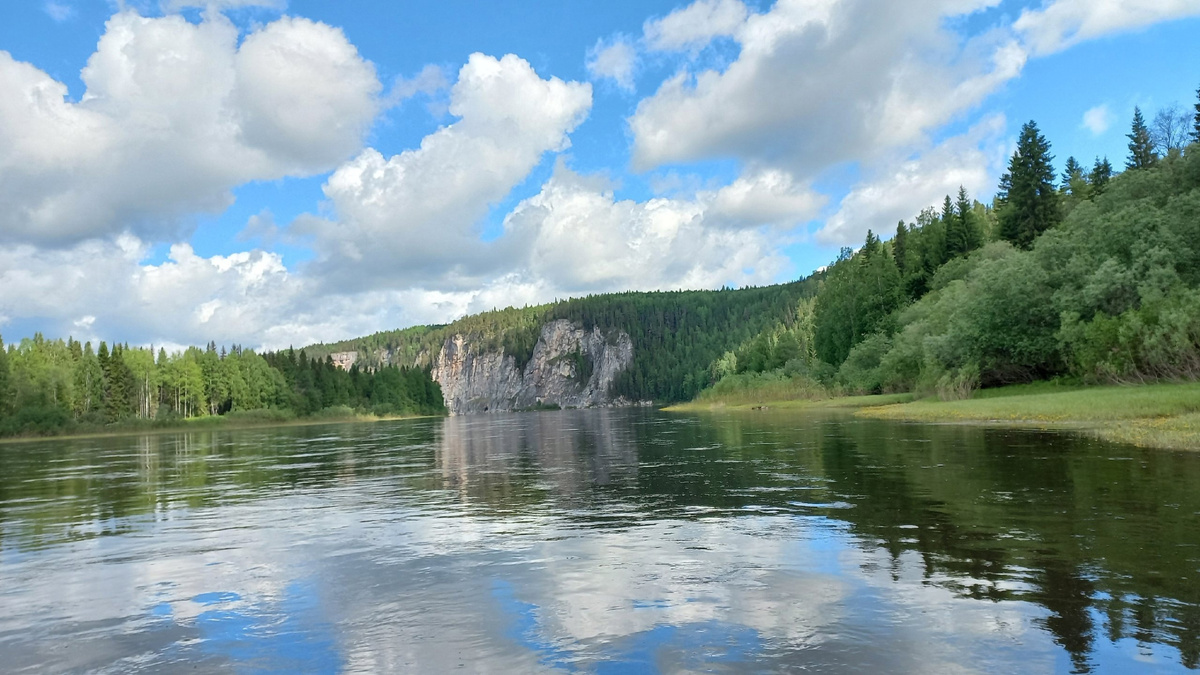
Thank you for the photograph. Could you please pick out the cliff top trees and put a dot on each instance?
(1028, 199)
(1141, 144)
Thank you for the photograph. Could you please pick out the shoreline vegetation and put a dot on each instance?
(1163, 416)
(251, 419)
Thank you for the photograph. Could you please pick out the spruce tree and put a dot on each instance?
(1141, 145)
(1073, 171)
(965, 211)
(958, 226)
(1027, 199)
(1102, 172)
(900, 246)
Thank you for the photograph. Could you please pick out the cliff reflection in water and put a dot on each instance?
(580, 538)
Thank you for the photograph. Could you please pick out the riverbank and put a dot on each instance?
(215, 423)
(1151, 416)
(844, 402)
(1164, 416)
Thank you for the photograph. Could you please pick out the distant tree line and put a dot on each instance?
(52, 385)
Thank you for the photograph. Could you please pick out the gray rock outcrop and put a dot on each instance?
(476, 379)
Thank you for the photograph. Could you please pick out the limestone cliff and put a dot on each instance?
(570, 367)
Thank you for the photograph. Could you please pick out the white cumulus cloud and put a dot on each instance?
(173, 117)
(819, 82)
(1062, 23)
(1098, 120)
(580, 239)
(695, 25)
(415, 215)
(614, 60)
(899, 190)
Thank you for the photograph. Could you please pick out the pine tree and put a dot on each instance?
(1028, 199)
(1102, 172)
(1141, 145)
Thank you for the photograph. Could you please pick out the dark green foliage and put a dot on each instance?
(1141, 145)
(678, 335)
(857, 299)
(1028, 198)
(962, 232)
(1072, 171)
(1102, 172)
(900, 247)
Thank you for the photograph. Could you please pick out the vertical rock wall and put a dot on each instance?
(474, 379)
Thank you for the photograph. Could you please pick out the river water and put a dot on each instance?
(605, 541)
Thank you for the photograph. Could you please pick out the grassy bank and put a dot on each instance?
(254, 419)
(1152, 416)
(809, 401)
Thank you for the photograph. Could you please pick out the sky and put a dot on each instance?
(282, 172)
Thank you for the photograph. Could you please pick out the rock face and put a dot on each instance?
(475, 379)
(344, 360)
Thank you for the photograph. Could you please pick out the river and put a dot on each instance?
(599, 541)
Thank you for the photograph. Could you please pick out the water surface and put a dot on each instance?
(601, 541)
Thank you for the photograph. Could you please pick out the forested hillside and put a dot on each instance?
(676, 335)
(49, 386)
(1091, 275)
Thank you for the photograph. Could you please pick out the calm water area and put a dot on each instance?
(600, 541)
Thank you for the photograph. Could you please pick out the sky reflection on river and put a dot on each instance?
(594, 541)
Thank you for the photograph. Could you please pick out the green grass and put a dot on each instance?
(1157, 415)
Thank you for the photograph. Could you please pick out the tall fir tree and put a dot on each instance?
(1141, 145)
(1028, 199)
(960, 236)
(1102, 172)
(1072, 172)
(900, 246)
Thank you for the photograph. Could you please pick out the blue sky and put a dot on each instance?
(280, 172)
